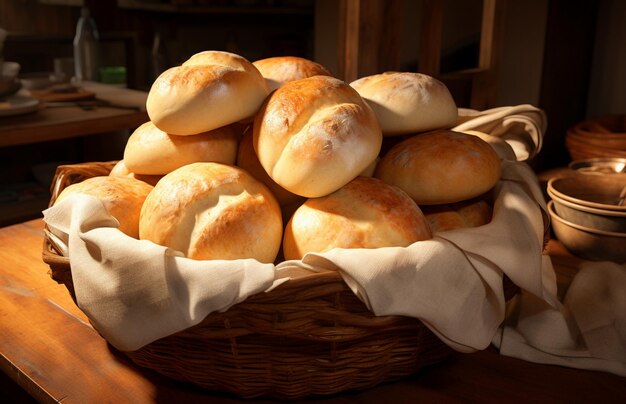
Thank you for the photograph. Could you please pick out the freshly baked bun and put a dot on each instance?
(314, 135)
(247, 159)
(213, 211)
(504, 150)
(210, 90)
(120, 170)
(122, 197)
(465, 214)
(365, 213)
(282, 69)
(441, 167)
(408, 102)
(149, 150)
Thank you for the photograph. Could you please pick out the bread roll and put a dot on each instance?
(210, 90)
(282, 69)
(408, 102)
(213, 211)
(504, 150)
(465, 214)
(122, 197)
(314, 135)
(365, 213)
(441, 167)
(247, 159)
(120, 170)
(149, 150)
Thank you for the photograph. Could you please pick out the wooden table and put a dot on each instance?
(55, 123)
(48, 348)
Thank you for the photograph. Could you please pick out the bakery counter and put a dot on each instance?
(112, 109)
(50, 351)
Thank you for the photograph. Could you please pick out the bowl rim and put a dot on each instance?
(576, 165)
(556, 194)
(558, 218)
(588, 209)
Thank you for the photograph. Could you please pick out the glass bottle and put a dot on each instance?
(86, 48)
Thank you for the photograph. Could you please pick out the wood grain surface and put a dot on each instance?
(55, 123)
(49, 349)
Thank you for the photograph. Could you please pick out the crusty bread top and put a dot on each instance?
(213, 211)
(407, 102)
(149, 150)
(210, 90)
(282, 69)
(314, 135)
(365, 213)
(441, 167)
(122, 197)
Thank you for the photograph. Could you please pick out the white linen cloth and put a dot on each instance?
(136, 292)
(521, 126)
(587, 331)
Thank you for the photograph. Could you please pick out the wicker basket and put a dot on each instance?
(309, 336)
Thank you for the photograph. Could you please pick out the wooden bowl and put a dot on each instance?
(590, 244)
(598, 137)
(608, 126)
(609, 141)
(593, 191)
(600, 166)
(597, 219)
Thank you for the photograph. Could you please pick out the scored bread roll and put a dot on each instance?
(365, 213)
(213, 211)
(149, 150)
(441, 167)
(210, 90)
(464, 214)
(314, 135)
(247, 159)
(282, 69)
(122, 197)
(407, 102)
(120, 170)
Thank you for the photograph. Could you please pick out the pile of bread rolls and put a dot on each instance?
(273, 159)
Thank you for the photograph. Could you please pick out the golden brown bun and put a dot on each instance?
(149, 150)
(504, 150)
(441, 167)
(247, 159)
(210, 90)
(122, 197)
(408, 102)
(120, 170)
(282, 69)
(365, 213)
(213, 211)
(314, 135)
(465, 214)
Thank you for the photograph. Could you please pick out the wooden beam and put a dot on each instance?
(431, 38)
(484, 84)
(349, 19)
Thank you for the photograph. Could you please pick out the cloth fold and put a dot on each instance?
(521, 126)
(587, 331)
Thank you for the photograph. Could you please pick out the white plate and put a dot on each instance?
(18, 104)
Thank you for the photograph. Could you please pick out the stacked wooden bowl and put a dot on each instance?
(598, 137)
(588, 211)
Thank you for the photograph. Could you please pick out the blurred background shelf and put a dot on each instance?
(220, 7)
